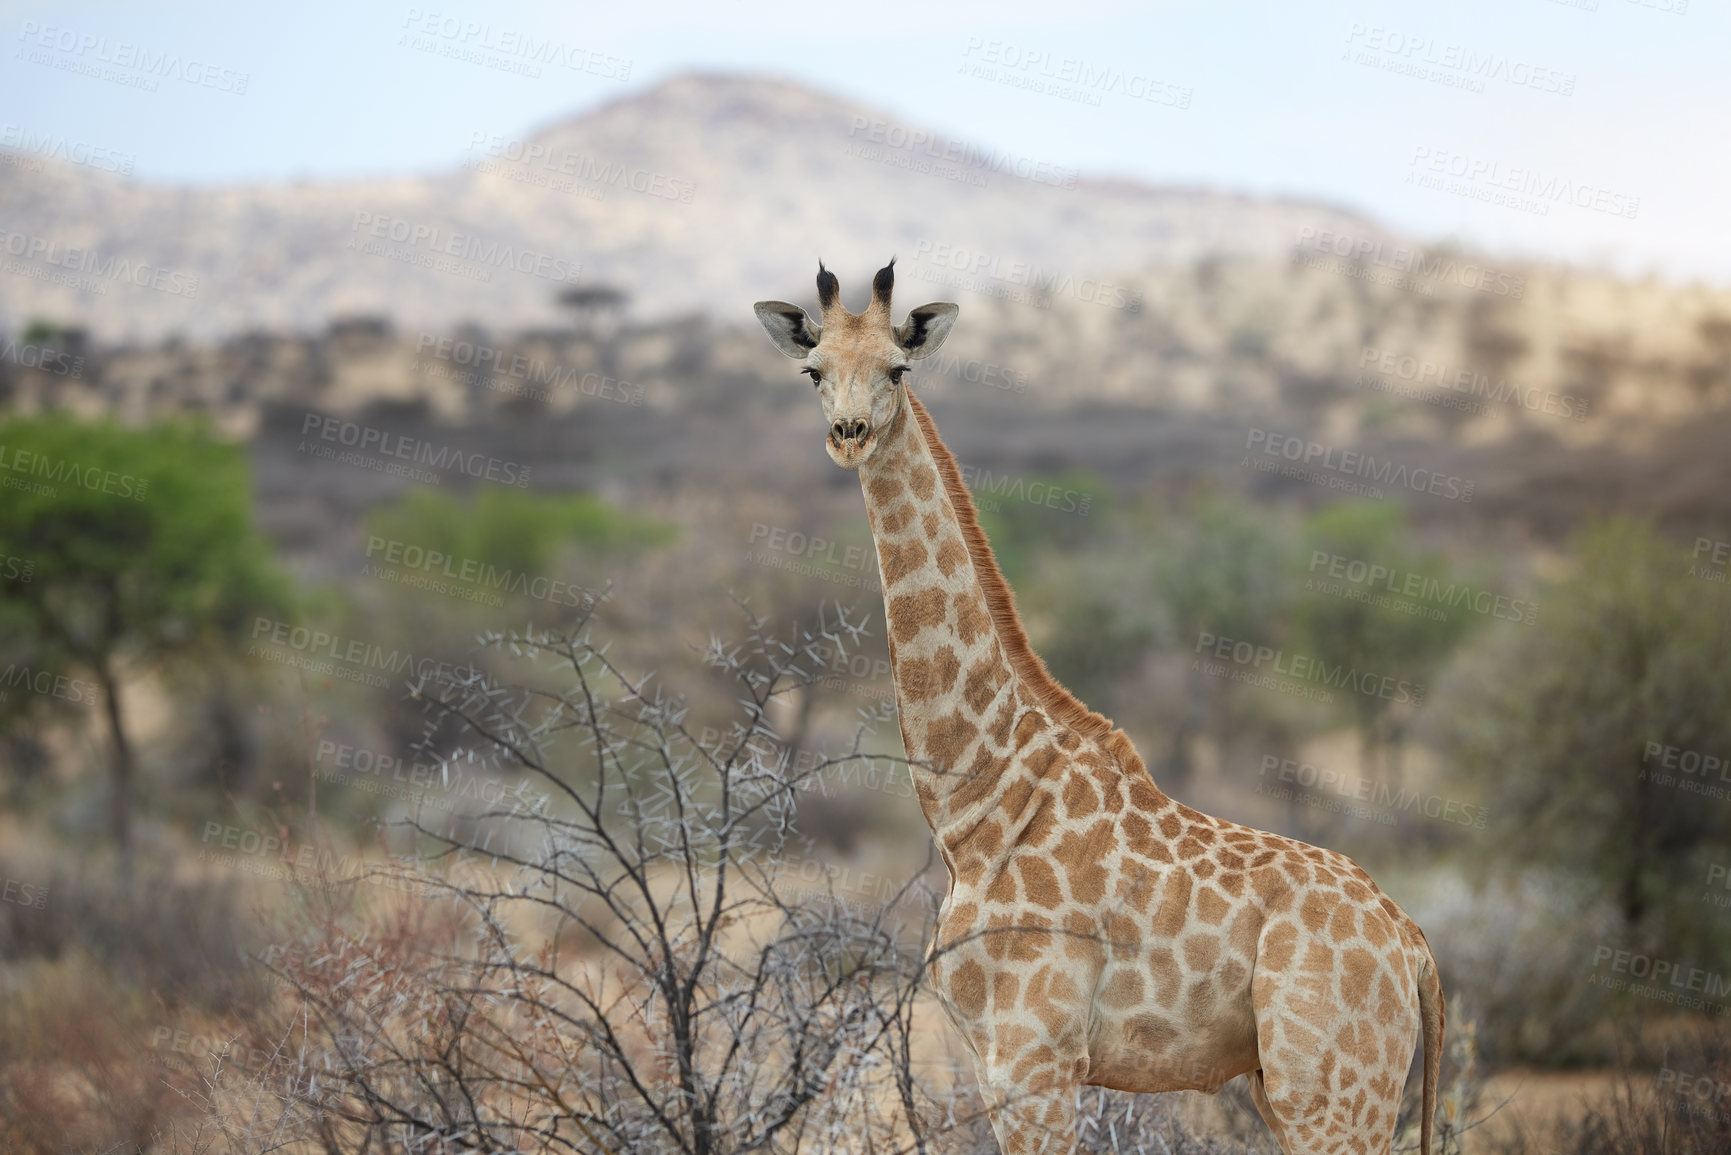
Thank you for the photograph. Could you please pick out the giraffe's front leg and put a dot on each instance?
(1030, 1116)
(1028, 1086)
(1021, 1005)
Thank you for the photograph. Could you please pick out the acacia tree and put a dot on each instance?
(630, 971)
(1579, 729)
(1151, 580)
(1220, 571)
(140, 546)
(1340, 621)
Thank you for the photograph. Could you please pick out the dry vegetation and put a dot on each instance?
(620, 960)
(631, 955)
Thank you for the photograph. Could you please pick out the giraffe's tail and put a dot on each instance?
(1433, 1015)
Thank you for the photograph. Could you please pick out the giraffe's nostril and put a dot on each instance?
(849, 431)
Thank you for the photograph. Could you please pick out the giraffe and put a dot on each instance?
(1096, 931)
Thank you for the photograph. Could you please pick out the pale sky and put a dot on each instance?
(1623, 106)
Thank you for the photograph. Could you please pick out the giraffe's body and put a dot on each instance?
(1095, 931)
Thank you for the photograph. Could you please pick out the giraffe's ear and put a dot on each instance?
(925, 329)
(787, 325)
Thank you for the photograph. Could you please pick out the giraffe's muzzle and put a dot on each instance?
(850, 441)
(856, 430)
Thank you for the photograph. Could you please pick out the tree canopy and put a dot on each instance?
(132, 544)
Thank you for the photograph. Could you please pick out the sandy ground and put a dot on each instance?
(1536, 1102)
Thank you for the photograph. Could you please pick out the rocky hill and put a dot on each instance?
(702, 193)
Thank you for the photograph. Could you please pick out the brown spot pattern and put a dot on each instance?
(902, 561)
(951, 554)
(911, 613)
(1186, 939)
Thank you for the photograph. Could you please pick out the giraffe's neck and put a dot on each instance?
(958, 693)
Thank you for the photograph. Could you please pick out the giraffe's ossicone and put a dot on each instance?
(1095, 931)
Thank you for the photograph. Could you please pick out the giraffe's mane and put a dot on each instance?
(1061, 705)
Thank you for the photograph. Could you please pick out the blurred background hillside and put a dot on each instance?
(278, 452)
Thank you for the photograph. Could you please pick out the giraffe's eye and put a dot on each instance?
(897, 373)
(813, 374)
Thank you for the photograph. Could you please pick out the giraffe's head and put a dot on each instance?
(856, 360)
